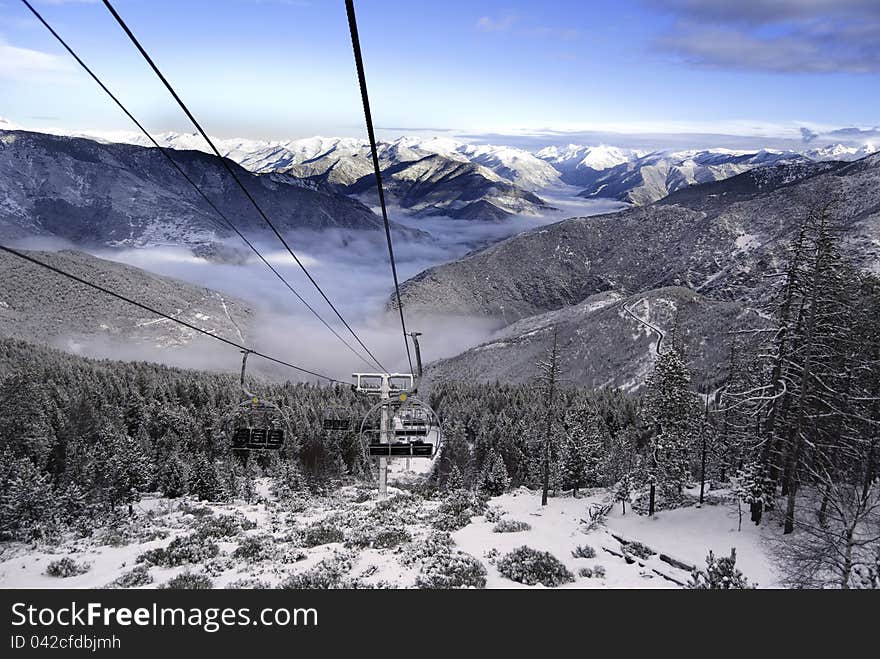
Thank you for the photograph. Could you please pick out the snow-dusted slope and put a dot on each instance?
(38, 305)
(120, 195)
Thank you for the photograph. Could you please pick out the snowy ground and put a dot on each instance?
(684, 535)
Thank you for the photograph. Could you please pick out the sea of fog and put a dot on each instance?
(353, 270)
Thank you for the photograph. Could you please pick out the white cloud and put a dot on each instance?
(24, 64)
(489, 24)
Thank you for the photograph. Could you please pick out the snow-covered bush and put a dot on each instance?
(448, 570)
(511, 526)
(322, 532)
(585, 572)
(720, 574)
(639, 550)
(421, 549)
(664, 499)
(457, 509)
(530, 566)
(153, 534)
(66, 567)
(329, 574)
(494, 514)
(195, 510)
(224, 526)
(402, 508)
(183, 549)
(255, 548)
(248, 583)
(584, 551)
(139, 576)
(599, 571)
(294, 556)
(188, 581)
(376, 534)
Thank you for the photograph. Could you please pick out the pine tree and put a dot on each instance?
(172, 477)
(204, 483)
(720, 574)
(455, 481)
(550, 369)
(585, 448)
(494, 479)
(672, 413)
(623, 491)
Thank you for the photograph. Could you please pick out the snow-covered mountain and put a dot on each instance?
(652, 176)
(443, 176)
(95, 194)
(640, 177)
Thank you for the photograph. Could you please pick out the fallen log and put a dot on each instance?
(674, 562)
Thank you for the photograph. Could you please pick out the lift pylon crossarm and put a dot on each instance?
(383, 384)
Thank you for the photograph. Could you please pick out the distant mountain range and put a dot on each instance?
(706, 250)
(456, 178)
(100, 194)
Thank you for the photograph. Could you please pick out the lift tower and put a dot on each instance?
(390, 388)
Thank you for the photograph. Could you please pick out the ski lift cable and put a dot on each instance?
(235, 176)
(362, 81)
(226, 222)
(151, 310)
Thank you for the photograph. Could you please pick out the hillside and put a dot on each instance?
(720, 245)
(603, 342)
(39, 305)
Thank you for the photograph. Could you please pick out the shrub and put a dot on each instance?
(436, 542)
(224, 526)
(585, 572)
(195, 510)
(66, 567)
(181, 550)
(584, 551)
(256, 548)
(188, 581)
(400, 509)
(511, 526)
(249, 583)
(326, 575)
(448, 570)
(139, 576)
(720, 574)
(377, 535)
(639, 550)
(494, 514)
(599, 571)
(457, 508)
(322, 533)
(530, 566)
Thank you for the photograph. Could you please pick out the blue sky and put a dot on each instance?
(283, 68)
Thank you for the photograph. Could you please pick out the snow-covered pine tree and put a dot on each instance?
(550, 369)
(455, 481)
(494, 479)
(672, 412)
(172, 477)
(584, 449)
(720, 574)
(623, 491)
